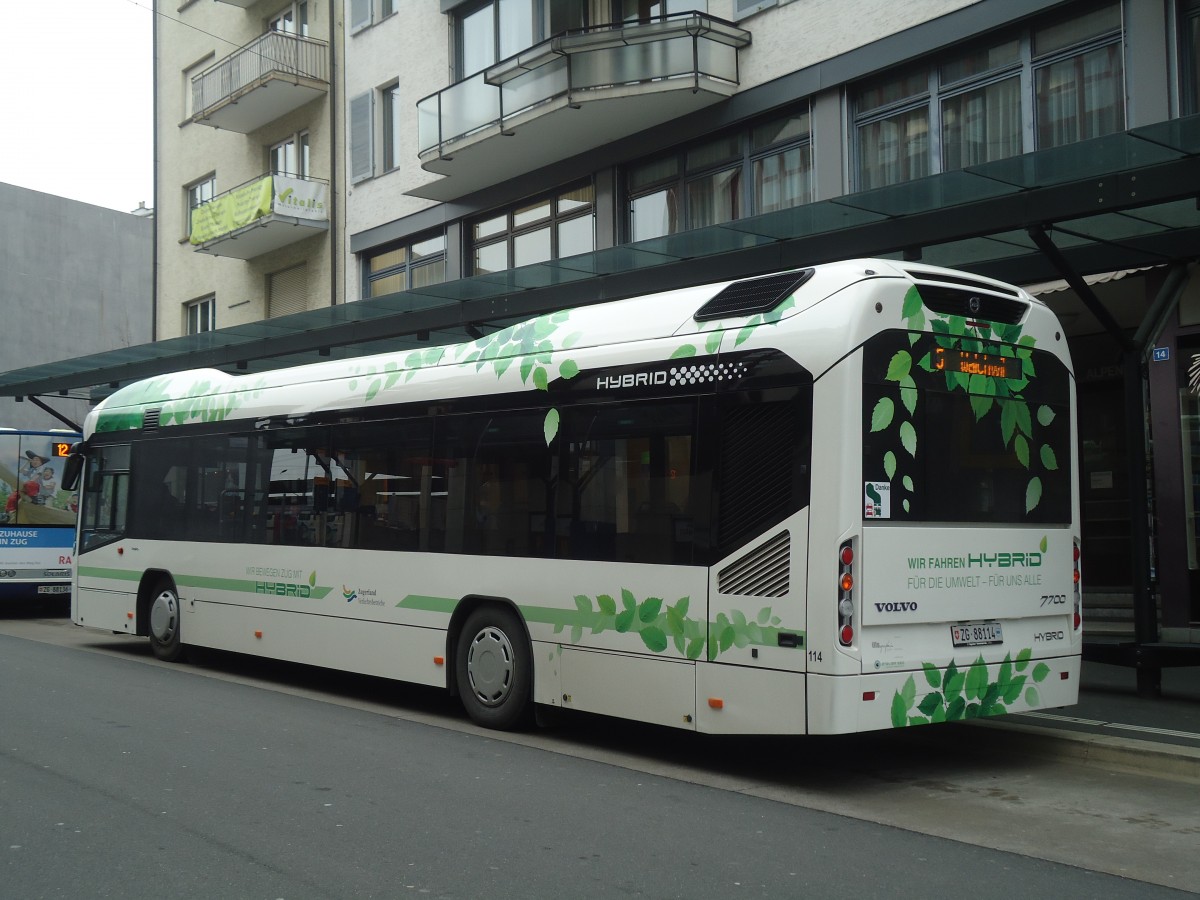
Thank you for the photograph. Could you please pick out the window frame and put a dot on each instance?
(196, 194)
(203, 308)
(940, 88)
(410, 265)
(678, 179)
(513, 233)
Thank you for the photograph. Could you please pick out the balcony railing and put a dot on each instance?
(260, 216)
(268, 78)
(689, 51)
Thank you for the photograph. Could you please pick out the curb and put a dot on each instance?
(1154, 760)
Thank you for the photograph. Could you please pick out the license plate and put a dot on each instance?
(976, 634)
(54, 589)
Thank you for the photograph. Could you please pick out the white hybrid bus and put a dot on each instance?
(831, 500)
(37, 525)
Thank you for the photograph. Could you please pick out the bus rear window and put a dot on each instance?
(965, 429)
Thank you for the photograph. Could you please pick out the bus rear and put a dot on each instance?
(951, 590)
(37, 526)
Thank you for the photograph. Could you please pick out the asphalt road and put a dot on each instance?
(232, 777)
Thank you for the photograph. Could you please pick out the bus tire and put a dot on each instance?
(163, 626)
(494, 668)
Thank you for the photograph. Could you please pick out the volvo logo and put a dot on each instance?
(974, 304)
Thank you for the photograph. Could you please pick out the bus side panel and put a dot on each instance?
(847, 704)
(743, 700)
(104, 609)
(353, 645)
(646, 690)
(762, 624)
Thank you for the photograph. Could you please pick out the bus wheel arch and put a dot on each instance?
(493, 662)
(159, 611)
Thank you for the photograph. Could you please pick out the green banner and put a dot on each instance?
(234, 210)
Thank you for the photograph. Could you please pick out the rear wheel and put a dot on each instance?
(164, 623)
(494, 668)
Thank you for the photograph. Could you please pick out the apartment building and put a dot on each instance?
(246, 134)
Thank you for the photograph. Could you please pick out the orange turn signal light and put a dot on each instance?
(716, 703)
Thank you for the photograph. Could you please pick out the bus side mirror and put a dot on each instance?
(73, 468)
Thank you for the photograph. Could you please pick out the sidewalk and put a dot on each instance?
(1111, 725)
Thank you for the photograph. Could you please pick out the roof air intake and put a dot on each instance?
(752, 296)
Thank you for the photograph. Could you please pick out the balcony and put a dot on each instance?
(573, 93)
(268, 78)
(260, 216)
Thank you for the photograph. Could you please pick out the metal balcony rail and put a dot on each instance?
(689, 47)
(275, 52)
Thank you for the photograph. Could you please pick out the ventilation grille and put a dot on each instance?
(752, 296)
(947, 278)
(757, 470)
(952, 301)
(763, 572)
(150, 419)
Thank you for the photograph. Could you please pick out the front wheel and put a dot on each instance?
(165, 639)
(494, 668)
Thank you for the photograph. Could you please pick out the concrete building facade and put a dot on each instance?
(246, 138)
(75, 279)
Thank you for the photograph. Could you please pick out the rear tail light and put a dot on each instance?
(1077, 619)
(846, 594)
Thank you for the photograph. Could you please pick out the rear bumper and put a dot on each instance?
(851, 703)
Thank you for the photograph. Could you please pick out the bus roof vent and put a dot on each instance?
(150, 419)
(752, 296)
(763, 572)
(961, 301)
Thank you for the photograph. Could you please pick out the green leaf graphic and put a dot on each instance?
(1021, 448)
(1049, 460)
(624, 620)
(1033, 493)
(654, 638)
(550, 426)
(649, 609)
(889, 464)
(881, 416)
(899, 711)
(713, 342)
(607, 605)
(977, 679)
(312, 578)
(583, 604)
(684, 352)
(930, 703)
(908, 484)
(1044, 544)
(1040, 671)
(932, 675)
(568, 369)
(908, 438)
(541, 380)
(1045, 415)
(899, 367)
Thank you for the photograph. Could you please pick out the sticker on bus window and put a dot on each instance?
(877, 500)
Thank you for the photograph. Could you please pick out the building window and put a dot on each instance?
(393, 117)
(412, 264)
(197, 193)
(1065, 77)
(200, 315)
(291, 156)
(287, 291)
(293, 19)
(552, 227)
(493, 30)
(763, 169)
